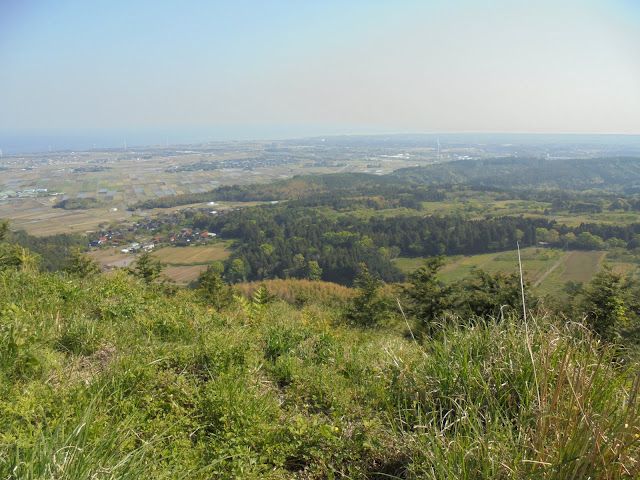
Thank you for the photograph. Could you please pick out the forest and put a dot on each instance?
(620, 174)
(278, 241)
(53, 251)
(78, 203)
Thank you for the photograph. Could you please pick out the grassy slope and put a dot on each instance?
(108, 378)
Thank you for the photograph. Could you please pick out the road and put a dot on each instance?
(553, 267)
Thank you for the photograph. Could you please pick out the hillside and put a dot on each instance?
(615, 174)
(620, 175)
(110, 377)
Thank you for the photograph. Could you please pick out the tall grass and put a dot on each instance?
(111, 378)
(68, 451)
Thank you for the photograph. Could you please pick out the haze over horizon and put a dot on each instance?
(278, 69)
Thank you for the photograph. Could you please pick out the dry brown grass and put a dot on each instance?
(296, 291)
(191, 255)
(182, 275)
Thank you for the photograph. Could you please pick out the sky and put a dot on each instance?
(331, 66)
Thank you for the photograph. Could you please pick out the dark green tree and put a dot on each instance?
(4, 228)
(80, 264)
(314, 272)
(213, 290)
(237, 271)
(486, 294)
(427, 298)
(15, 256)
(146, 268)
(368, 308)
(603, 303)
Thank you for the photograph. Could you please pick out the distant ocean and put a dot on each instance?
(37, 141)
(55, 141)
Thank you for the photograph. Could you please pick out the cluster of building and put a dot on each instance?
(184, 238)
(190, 237)
(29, 192)
(135, 247)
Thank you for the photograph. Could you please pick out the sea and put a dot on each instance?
(39, 141)
(42, 141)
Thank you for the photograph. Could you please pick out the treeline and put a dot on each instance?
(279, 190)
(78, 203)
(564, 185)
(343, 185)
(281, 241)
(613, 174)
(53, 250)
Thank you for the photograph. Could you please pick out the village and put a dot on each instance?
(132, 237)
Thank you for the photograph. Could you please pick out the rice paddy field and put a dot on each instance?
(182, 264)
(183, 274)
(120, 178)
(194, 255)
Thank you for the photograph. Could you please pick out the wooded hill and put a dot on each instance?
(610, 174)
(621, 175)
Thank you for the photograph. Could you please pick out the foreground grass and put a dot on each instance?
(109, 378)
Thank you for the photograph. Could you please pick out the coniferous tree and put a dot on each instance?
(15, 256)
(146, 268)
(604, 304)
(80, 264)
(427, 298)
(367, 309)
(213, 290)
(4, 228)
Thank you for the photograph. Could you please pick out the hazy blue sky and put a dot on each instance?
(413, 66)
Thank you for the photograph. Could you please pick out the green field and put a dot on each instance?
(548, 270)
(579, 266)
